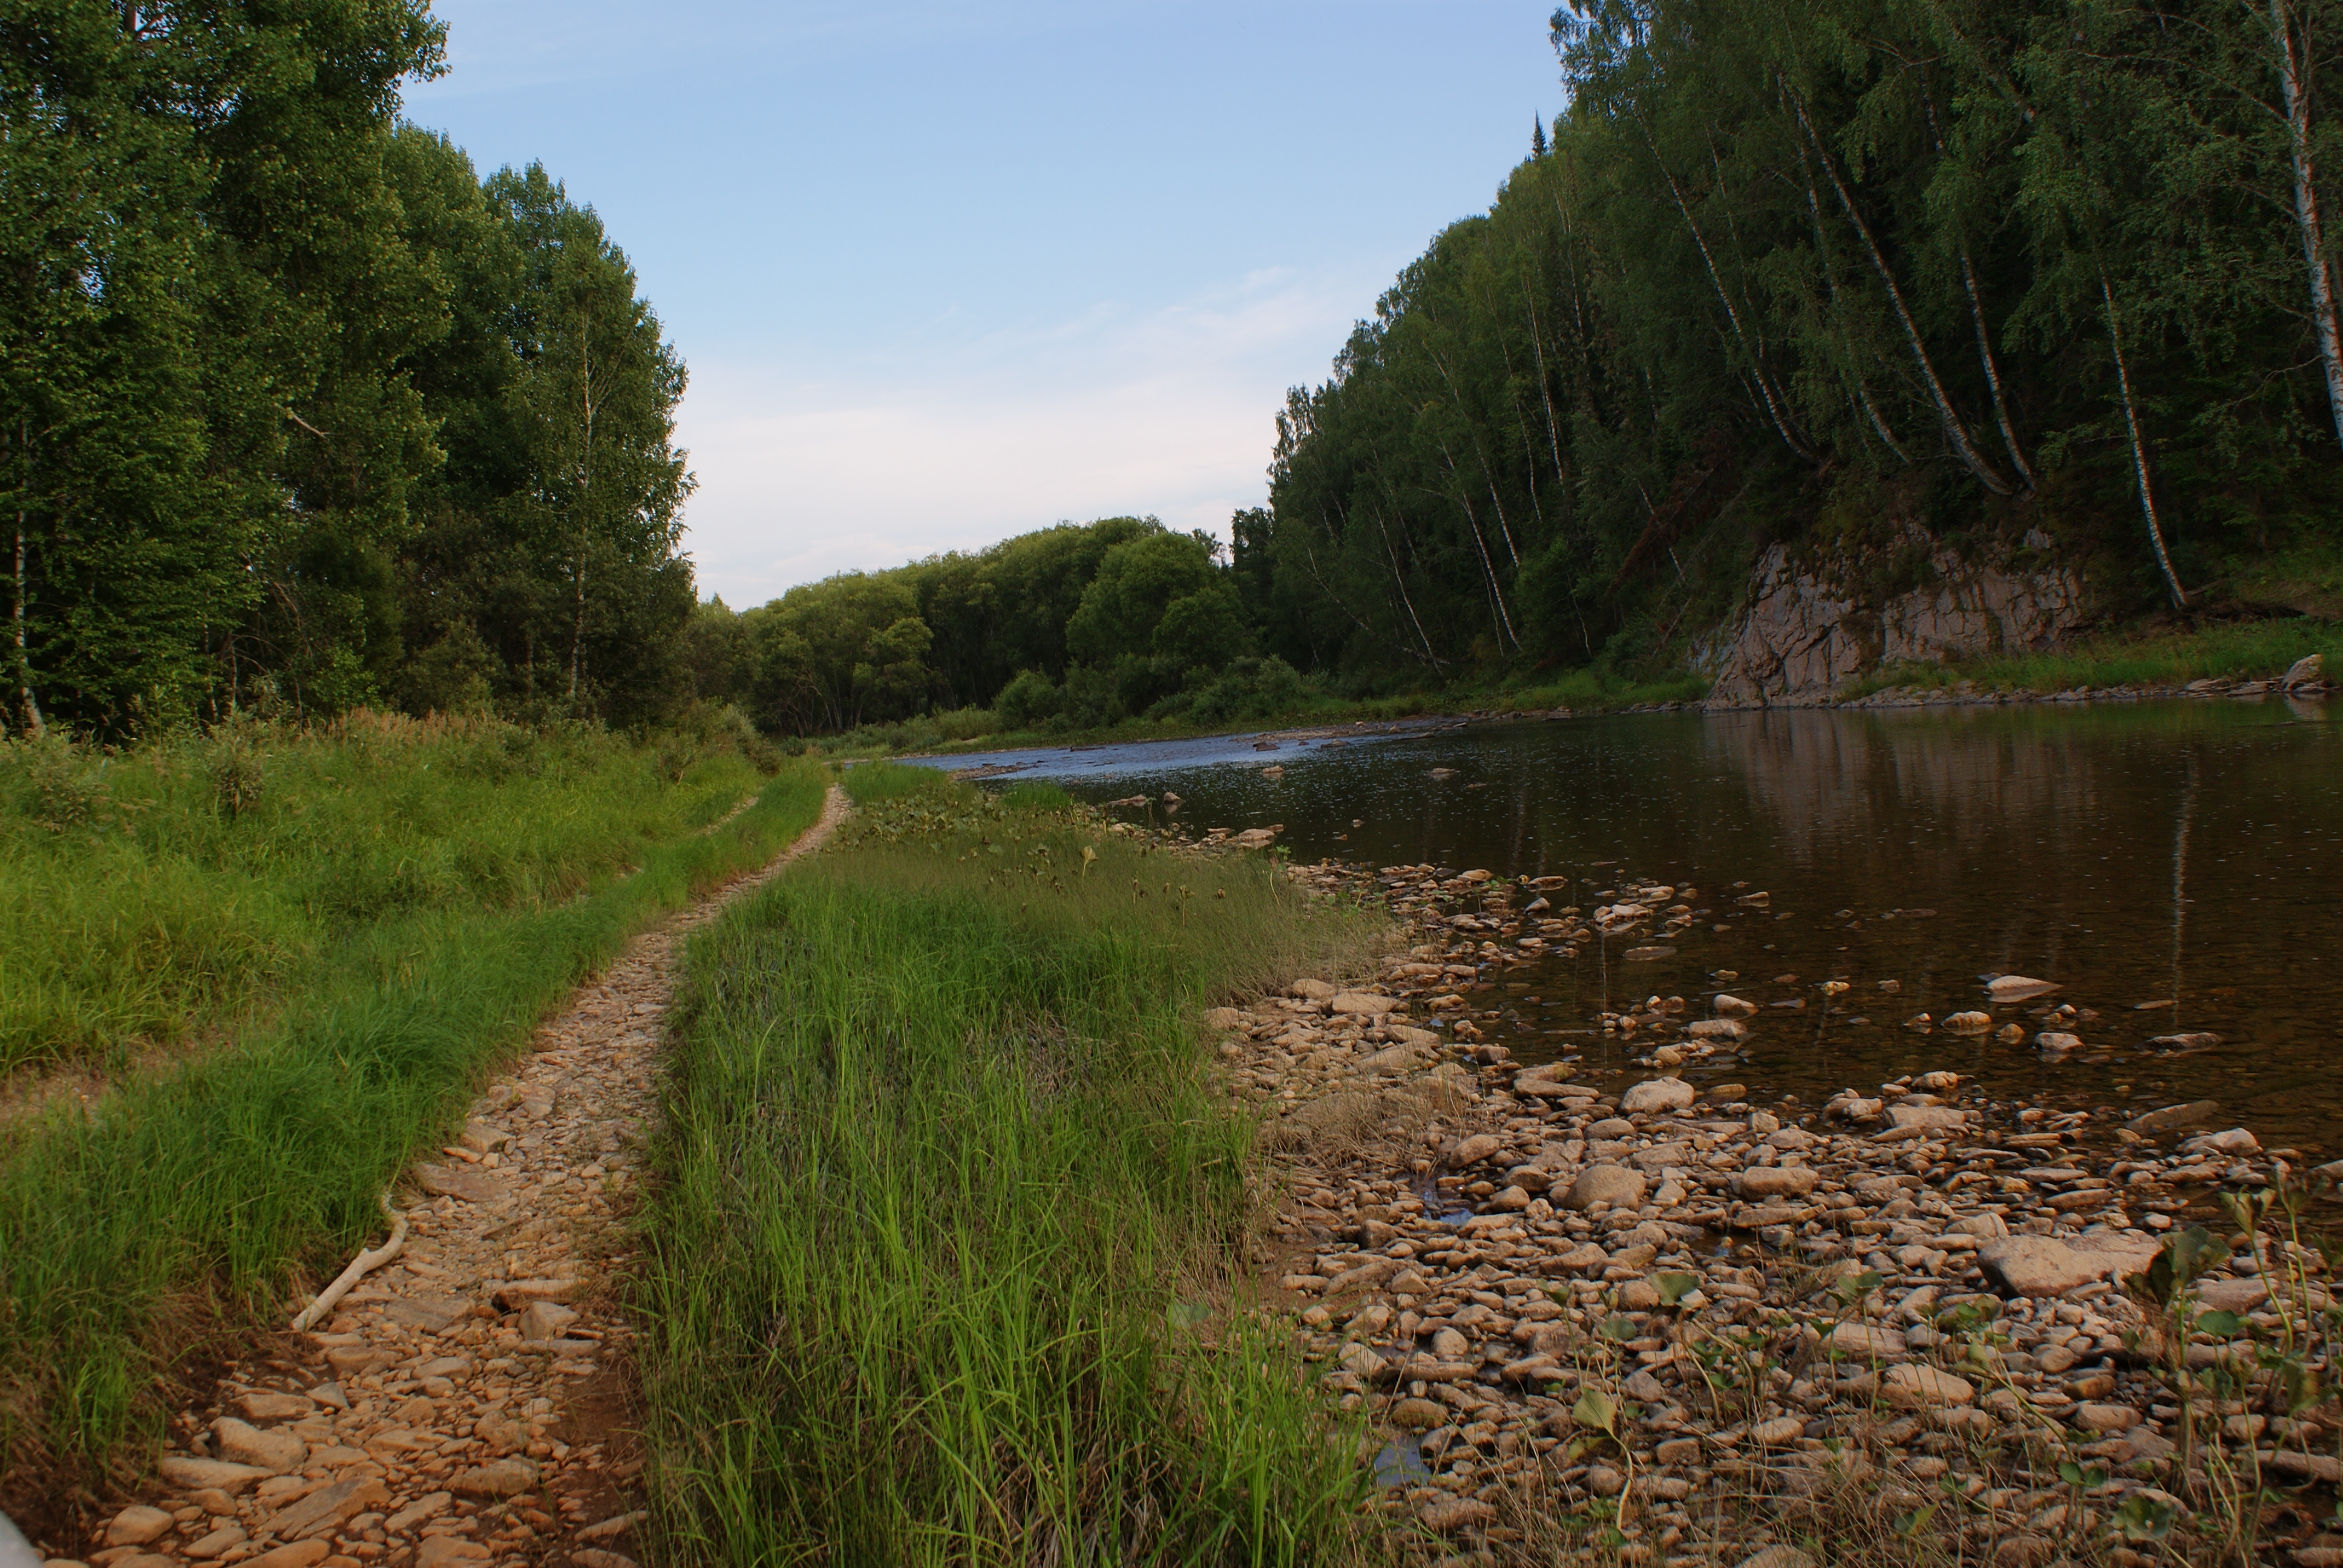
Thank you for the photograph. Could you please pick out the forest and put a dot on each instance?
(299, 414)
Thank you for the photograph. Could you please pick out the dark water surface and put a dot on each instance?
(2186, 853)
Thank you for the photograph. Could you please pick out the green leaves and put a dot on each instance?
(1597, 1409)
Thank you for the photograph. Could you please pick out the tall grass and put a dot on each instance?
(179, 1201)
(943, 1264)
(2236, 650)
(152, 894)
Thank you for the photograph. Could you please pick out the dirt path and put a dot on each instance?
(467, 1404)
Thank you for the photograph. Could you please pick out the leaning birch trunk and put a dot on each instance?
(2306, 209)
(361, 1267)
(2139, 448)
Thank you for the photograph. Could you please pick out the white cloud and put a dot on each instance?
(1108, 411)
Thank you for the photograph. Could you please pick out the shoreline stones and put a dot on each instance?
(1930, 1280)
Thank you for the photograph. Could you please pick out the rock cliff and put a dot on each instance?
(1808, 626)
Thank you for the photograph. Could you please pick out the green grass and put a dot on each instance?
(174, 890)
(2240, 650)
(177, 1204)
(946, 1264)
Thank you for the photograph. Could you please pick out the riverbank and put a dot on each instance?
(1914, 1325)
(2234, 660)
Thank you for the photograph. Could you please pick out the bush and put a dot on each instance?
(1248, 688)
(1029, 701)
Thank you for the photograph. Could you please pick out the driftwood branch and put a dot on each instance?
(360, 1266)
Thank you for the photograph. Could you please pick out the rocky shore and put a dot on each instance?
(1666, 1324)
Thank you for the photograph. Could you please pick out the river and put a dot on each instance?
(2186, 854)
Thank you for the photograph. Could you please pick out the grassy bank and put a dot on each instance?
(195, 883)
(2240, 651)
(179, 1203)
(950, 1221)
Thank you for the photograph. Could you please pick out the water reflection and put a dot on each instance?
(2185, 854)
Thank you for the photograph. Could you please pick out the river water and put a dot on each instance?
(2187, 854)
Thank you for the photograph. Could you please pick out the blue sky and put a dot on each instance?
(944, 272)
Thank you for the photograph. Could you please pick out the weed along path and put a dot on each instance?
(466, 1402)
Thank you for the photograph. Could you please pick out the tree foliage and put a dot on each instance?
(294, 411)
(1817, 271)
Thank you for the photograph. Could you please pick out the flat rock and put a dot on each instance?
(267, 1406)
(2188, 1040)
(242, 1443)
(1613, 1184)
(448, 1551)
(2106, 1417)
(195, 1474)
(1363, 1004)
(1928, 1118)
(599, 1557)
(329, 1506)
(498, 1478)
(1717, 1028)
(1475, 1150)
(137, 1525)
(1731, 1006)
(430, 1313)
(1419, 1414)
(1656, 1094)
(545, 1320)
(1776, 1181)
(1778, 1433)
(2017, 988)
(2196, 1114)
(2037, 1266)
(460, 1182)
(1391, 1058)
(298, 1554)
(1863, 1342)
(1925, 1387)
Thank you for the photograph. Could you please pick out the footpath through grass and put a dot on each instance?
(171, 890)
(950, 1220)
(179, 1203)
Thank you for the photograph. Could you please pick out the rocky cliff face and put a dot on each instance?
(1807, 628)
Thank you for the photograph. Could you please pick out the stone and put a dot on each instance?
(2057, 1042)
(448, 1551)
(2303, 671)
(1362, 1004)
(1604, 1481)
(1419, 1414)
(2106, 1417)
(1644, 1388)
(193, 1474)
(1656, 1094)
(297, 1554)
(1314, 991)
(1613, 1184)
(459, 1182)
(546, 1320)
(1225, 1019)
(1475, 1150)
(1778, 1433)
(1731, 1028)
(1391, 1058)
(1863, 1342)
(1776, 1181)
(241, 1443)
(2190, 1040)
(2196, 1114)
(329, 1506)
(1782, 1556)
(1925, 1387)
(1452, 1514)
(1970, 1022)
(2038, 1267)
(430, 1313)
(1731, 1006)
(2016, 988)
(419, 1511)
(498, 1478)
(269, 1406)
(204, 1548)
(137, 1525)
(1928, 1118)
(615, 1525)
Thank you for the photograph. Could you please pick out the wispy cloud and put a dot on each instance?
(1109, 410)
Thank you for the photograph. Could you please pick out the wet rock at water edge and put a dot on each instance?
(1656, 1094)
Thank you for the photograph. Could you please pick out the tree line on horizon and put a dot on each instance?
(300, 413)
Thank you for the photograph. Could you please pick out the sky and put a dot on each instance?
(945, 272)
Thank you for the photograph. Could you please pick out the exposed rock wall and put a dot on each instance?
(1808, 629)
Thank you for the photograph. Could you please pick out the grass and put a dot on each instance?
(945, 1262)
(181, 1203)
(2239, 649)
(175, 891)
